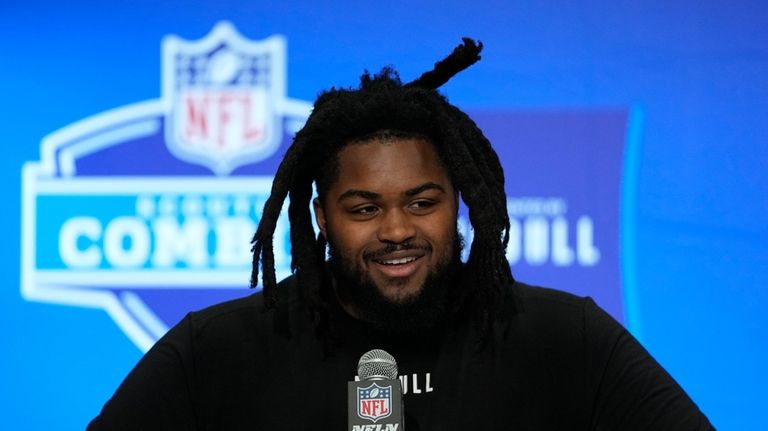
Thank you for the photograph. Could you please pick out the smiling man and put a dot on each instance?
(475, 348)
(390, 221)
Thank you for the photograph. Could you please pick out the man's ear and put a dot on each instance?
(319, 215)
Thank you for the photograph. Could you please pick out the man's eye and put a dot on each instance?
(367, 210)
(422, 205)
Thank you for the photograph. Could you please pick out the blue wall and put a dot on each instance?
(698, 74)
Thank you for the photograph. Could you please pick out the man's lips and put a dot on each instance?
(399, 264)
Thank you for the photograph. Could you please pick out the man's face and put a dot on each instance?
(390, 217)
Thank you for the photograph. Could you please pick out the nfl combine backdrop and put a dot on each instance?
(141, 144)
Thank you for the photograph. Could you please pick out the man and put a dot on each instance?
(476, 349)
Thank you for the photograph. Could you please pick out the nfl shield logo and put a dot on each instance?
(374, 402)
(220, 96)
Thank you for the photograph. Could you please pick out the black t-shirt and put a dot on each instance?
(557, 363)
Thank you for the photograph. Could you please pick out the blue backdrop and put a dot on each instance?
(690, 83)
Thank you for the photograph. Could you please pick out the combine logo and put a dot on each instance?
(147, 210)
(374, 402)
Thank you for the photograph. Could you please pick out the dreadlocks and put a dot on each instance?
(382, 104)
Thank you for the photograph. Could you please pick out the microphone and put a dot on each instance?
(375, 403)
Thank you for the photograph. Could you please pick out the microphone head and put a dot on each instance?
(377, 365)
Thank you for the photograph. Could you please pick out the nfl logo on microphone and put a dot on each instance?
(374, 402)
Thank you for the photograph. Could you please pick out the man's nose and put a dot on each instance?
(396, 227)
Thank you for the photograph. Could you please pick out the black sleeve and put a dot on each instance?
(633, 392)
(157, 394)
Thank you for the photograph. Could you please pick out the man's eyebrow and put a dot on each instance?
(365, 194)
(354, 193)
(424, 187)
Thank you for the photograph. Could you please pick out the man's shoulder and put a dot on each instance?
(532, 297)
(546, 312)
(245, 312)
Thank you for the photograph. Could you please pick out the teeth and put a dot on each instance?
(398, 261)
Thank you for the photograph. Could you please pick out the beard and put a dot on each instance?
(408, 316)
